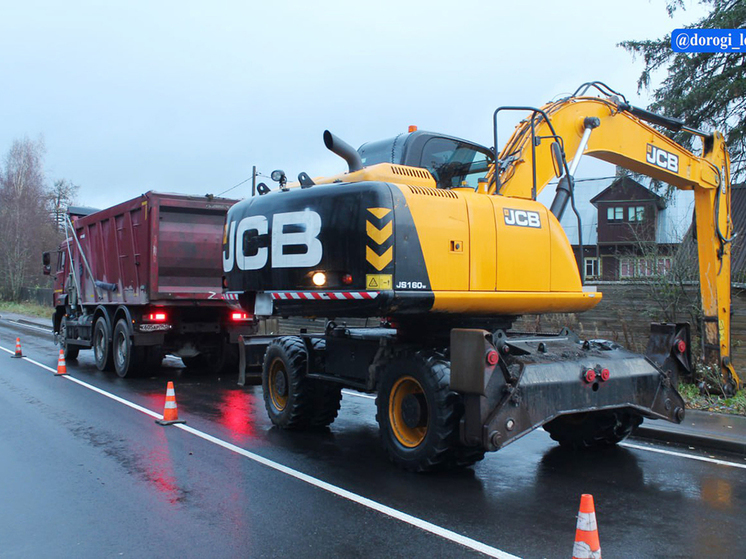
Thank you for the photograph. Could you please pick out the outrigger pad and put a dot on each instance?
(667, 340)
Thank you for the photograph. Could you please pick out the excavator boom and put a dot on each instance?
(613, 131)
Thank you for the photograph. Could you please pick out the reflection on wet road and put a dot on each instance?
(104, 479)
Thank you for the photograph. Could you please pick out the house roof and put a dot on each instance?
(627, 189)
(738, 214)
(673, 220)
(688, 250)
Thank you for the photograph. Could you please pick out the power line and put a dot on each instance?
(235, 186)
(243, 182)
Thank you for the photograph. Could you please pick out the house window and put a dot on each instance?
(626, 268)
(636, 213)
(591, 268)
(645, 267)
(615, 214)
(664, 266)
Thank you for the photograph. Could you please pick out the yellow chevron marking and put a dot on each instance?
(379, 235)
(380, 212)
(379, 262)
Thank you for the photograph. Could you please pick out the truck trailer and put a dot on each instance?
(142, 279)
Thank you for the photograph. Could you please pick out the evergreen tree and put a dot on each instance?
(706, 90)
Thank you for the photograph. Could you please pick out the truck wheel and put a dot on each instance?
(102, 346)
(153, 358)
(215, 361)
(69, 351)
(194, 362)
(592, 429)
(418, 415)
(128, 359)
(288, 394)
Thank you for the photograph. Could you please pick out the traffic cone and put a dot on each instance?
(18, 354)
(170, 412)
(61, 367)
(587, 545)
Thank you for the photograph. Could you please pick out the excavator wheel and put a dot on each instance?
(592, 429)
(327, 395)
(292, 400)
(418, 415)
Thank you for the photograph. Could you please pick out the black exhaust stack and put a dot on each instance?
(344, 150)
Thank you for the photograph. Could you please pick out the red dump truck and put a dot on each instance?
(144, 278)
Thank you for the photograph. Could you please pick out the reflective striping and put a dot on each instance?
(170, 392)
(582, 550)
(322, 295)
(315, 482)
(170, 405)
(232, 295)
(587, 521)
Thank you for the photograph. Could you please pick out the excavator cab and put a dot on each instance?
(453, 162)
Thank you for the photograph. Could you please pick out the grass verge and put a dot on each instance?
(29, 309)
(696, 400)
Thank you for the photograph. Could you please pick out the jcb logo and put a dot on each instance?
(294, 241)
(663, 159)
(521, 218)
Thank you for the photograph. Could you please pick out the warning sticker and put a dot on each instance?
(378, 281)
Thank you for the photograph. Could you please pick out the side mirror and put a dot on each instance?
(46, 260)
(558, 159)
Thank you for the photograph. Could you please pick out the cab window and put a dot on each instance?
(454, 163)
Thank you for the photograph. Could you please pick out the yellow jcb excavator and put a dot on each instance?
(447, 242)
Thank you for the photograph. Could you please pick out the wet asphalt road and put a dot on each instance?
(82, 475)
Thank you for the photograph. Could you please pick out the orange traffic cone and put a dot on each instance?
(170, 412)
(18, 354)
(587, 545)
(61, 367)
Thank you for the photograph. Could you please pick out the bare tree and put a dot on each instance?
(25, 226)
(61, 196)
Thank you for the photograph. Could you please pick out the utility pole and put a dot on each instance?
(253, 181)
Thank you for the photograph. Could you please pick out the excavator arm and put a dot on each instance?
(613, 131)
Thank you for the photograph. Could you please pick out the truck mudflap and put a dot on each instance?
(514, 384)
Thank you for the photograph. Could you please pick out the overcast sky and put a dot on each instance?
(187, 96)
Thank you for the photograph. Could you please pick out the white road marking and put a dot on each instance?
(21, 324)
(350, 496)
(368, 503)
(358, 394)
(684, 455)
(91, 387)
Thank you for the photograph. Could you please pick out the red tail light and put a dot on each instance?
(239, 316)
(156, 317)
(590, 375)
(681, 346)
(605, 374)
(492, 357)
